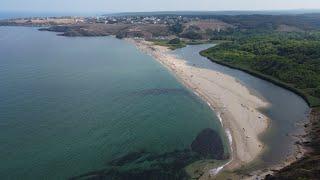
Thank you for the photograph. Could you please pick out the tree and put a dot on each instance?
(317, 92)
(191, 35)
(174, 41)
(177, 28)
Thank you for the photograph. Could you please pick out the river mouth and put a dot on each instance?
(287, 111)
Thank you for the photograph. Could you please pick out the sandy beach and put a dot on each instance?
(233, 103)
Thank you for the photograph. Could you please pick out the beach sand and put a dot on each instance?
(231, 101)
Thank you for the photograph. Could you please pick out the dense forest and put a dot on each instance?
(288, 59)
(268, 22)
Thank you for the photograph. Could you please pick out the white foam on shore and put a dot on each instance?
(229, 137)
(215, 171)
(220, 118)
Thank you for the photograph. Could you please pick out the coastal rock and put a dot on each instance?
(169, 165)
(208, 144)
(145, 165)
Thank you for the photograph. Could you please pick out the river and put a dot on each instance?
(287, 112)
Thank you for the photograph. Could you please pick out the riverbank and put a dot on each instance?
(230, 100)
(307, 166)
(306, 95)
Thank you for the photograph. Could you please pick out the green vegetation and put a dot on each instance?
(271, 22)
(191, 34)
(171, 44)
(291, 60)
(176, 43)
(176, 28)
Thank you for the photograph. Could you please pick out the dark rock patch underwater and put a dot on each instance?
(208, 144)
(170, 165)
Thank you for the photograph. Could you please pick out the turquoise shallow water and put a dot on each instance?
(70, 105)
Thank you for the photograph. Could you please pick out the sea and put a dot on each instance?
(71, 106)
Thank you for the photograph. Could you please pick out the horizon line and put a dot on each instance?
(111, 11)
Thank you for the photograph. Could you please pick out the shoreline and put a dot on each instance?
(236, 110)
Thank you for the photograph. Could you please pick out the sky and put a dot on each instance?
(152, 5)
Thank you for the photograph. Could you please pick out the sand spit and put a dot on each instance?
(232, 101)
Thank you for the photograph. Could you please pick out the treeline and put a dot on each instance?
(271, 22)
(251, 25)
(291, 58)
